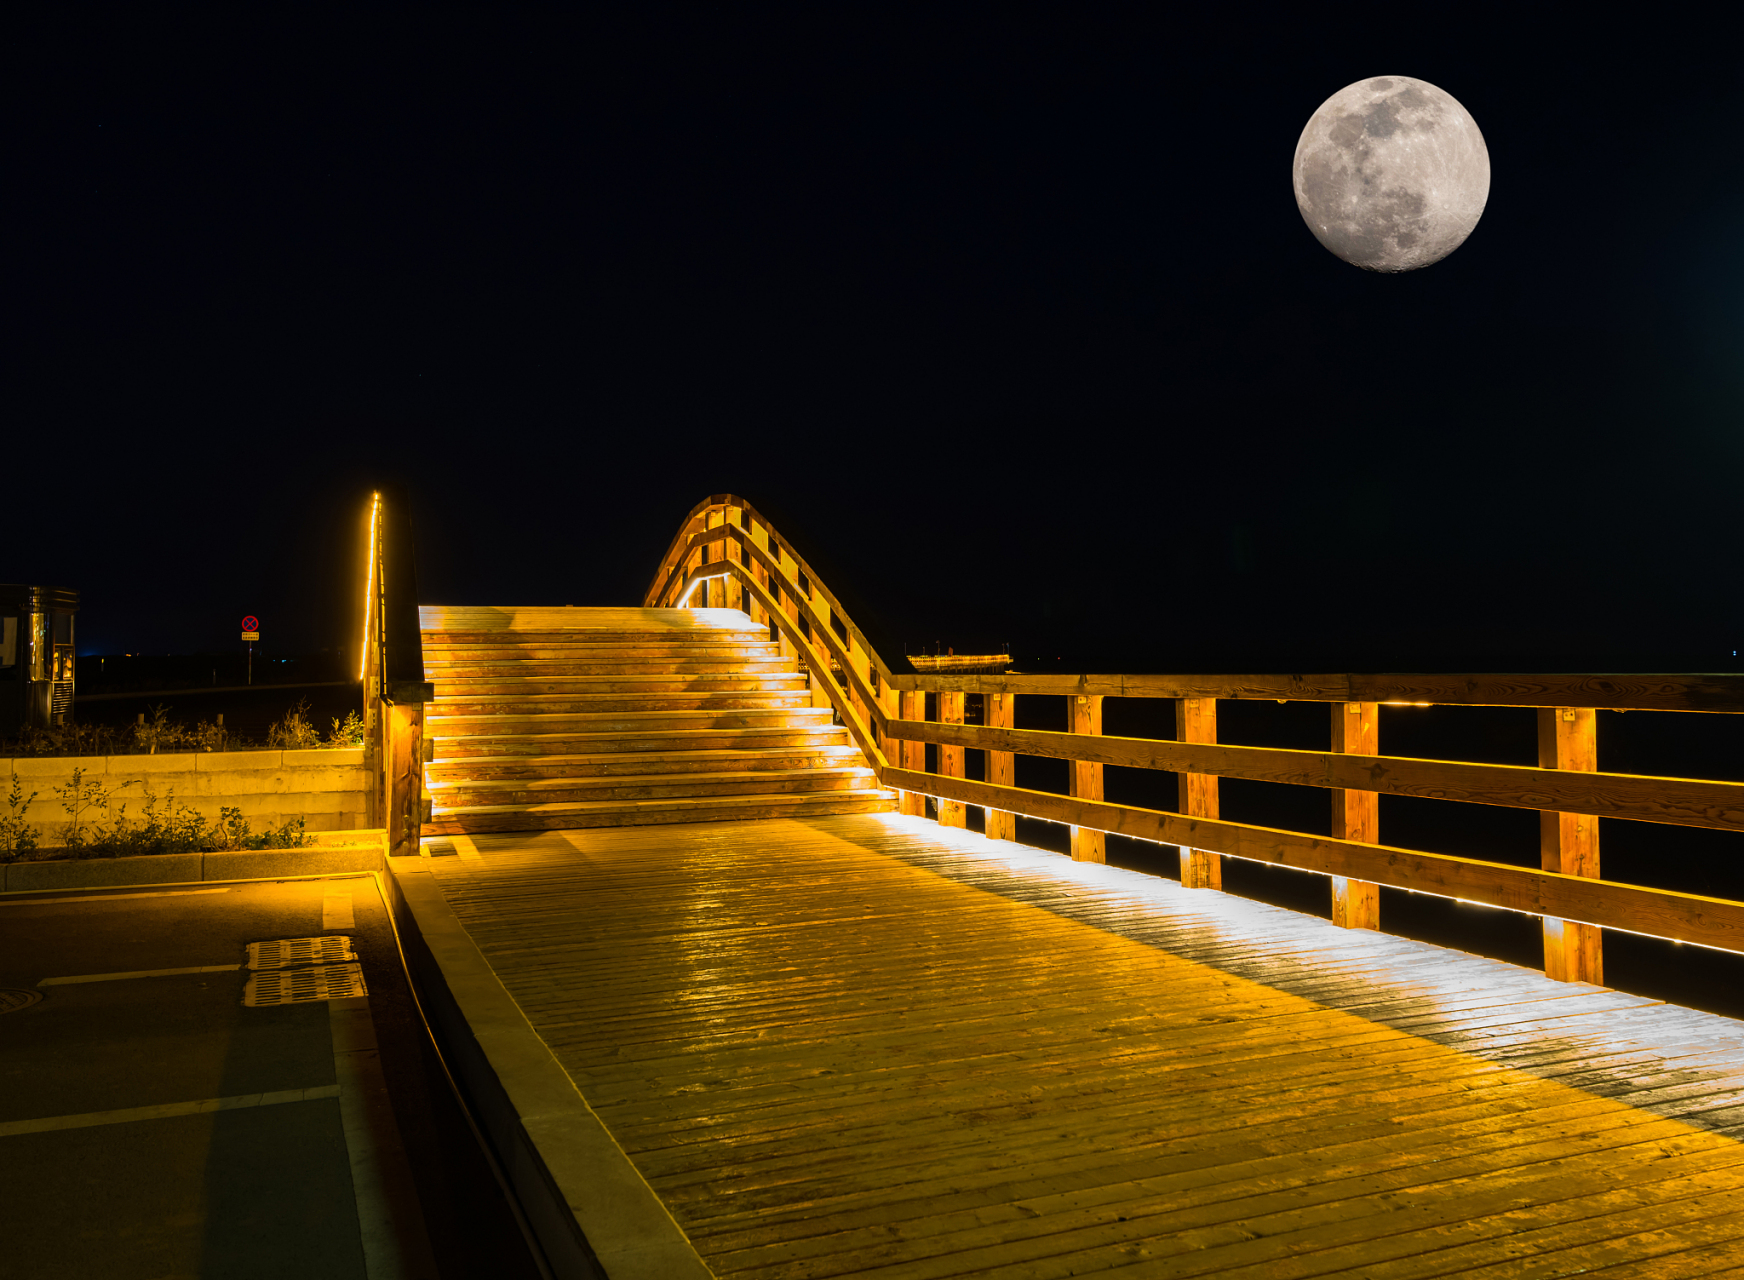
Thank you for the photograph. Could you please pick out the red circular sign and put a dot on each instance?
(251, 623)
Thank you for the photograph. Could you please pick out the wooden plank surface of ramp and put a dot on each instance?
(868, 1045)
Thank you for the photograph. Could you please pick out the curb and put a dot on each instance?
(594, 1214)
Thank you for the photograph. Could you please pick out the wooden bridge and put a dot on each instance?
(822, 1028)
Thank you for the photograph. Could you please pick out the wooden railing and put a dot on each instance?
(391, 668)
(730, 552)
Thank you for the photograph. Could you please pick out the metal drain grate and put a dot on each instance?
(282, 953)
(302, 986)
(12, 999)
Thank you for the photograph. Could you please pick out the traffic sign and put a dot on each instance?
(251, 623)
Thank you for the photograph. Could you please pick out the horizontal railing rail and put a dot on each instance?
(1686, 802)
(729, 551)
(1722, 694)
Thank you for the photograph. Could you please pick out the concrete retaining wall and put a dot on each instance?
(325, 787)
(333, 854)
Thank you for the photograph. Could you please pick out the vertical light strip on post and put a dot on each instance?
(369, 589)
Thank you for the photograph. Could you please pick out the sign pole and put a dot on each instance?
(251, 633)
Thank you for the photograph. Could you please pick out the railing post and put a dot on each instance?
(1196, 721)
(695, 560)
(783, 591)
(1356, 815)
(820, 696)
(733, 593)
(760, 539)
(715, 589)
(1569, 842)
(1000, 764)
(376, 758)
(913, 753)
(1086, 777)
(405, 775)
(952, 813)
(890, 701)
(862, 665)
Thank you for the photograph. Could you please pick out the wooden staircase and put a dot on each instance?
(555, 718)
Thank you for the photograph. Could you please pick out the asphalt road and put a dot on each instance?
(156, 1126)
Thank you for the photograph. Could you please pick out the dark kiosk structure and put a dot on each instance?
(36, 655)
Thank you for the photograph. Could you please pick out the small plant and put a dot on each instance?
(78, 798)
(288, 834)
(149, 735)
(294, 732)
(209, 736)
(67, 740)
(172, 828)
(347, 732)
(232, 829)
(17, 837)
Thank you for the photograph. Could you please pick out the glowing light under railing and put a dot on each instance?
(697, 582)
(1017, 851)
(369, 586)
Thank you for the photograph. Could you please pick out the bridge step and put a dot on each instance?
(559, 744)
(628, 718)
(635, 813)
(541, 704)
(673, 666)
(439, 655)
(478, 792)
(638, 721)
(640, 763)
(620, 636)
(520, 686)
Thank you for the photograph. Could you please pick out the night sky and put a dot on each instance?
(1006, 317)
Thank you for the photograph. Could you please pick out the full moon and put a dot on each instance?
(1391, 174)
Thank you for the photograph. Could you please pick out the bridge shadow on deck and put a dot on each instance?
(870, 1045)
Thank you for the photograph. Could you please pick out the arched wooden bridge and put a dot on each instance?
(752, 999)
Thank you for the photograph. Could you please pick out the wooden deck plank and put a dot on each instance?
(867, 1046)
(1268, 1214)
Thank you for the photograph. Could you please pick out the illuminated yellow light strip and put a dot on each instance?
(697, 582)
(368, 588)
(999, 846)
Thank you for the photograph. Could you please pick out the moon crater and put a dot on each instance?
(1391, 174)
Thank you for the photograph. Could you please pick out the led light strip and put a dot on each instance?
(369, 587)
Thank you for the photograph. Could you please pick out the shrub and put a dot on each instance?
(167, 827)
(17, 837)
(69, 740)
(78, 798)
(172, 829)
(347, 732)
(233, 832)
(294, 732)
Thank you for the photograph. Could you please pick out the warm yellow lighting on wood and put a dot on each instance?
(369, 586)
(1196, 721)
(1356, 815)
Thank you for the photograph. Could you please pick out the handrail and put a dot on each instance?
(759, 568)
(391, 672)
(685, 544)
(1685, 802)
(1717, 693)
